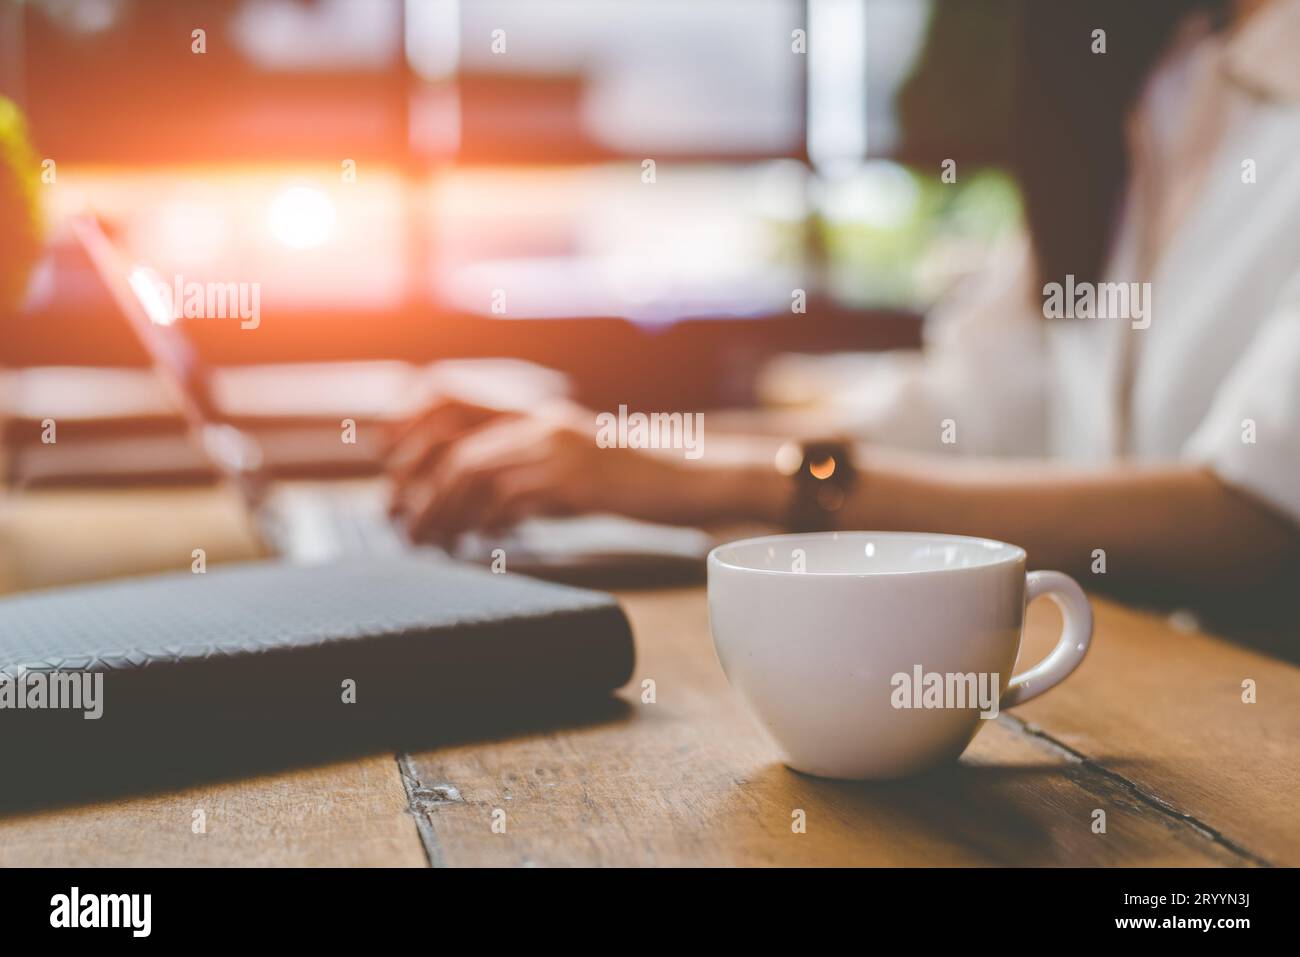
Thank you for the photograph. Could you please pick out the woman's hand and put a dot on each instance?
(461, 466)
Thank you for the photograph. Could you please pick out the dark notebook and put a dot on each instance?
(267, 662)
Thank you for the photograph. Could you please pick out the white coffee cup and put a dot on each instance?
(874, 654)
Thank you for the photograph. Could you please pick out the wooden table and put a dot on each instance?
(1152, 730)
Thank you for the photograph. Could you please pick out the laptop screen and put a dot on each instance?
(150, 311)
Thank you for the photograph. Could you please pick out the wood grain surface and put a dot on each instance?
(1152, 730)
(349, 814)
(64, 536)
(691, 779)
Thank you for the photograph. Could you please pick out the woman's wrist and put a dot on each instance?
(756, 493)
(740, 484)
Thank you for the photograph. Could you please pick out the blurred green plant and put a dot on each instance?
(20, 218)
(894, 236)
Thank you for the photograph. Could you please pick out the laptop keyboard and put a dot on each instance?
(326, 521)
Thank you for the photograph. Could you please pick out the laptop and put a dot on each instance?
(322, 521)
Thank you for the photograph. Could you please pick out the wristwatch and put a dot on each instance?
(822, 474)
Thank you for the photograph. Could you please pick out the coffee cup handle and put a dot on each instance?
(1076, 636)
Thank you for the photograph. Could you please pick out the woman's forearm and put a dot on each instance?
(1166, 524)
(1175, 524)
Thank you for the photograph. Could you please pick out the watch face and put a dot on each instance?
(821, 466)
(822, 481)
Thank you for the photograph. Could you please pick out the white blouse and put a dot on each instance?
(1214, 378)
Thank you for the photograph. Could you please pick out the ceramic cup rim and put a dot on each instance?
(1012, 553)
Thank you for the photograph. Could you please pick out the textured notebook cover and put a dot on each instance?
(296, 657)
(264, 607)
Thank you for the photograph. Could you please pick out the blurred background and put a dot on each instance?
(382, 168)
